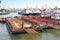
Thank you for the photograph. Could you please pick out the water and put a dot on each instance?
(10, 15)
(49, 34)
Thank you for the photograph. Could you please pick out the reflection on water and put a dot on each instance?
(50, 34)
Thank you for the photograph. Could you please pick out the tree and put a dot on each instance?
(1, 10)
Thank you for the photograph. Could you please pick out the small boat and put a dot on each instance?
(2, 20)
(4, 13)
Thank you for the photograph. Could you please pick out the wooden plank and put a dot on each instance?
(31, 31)
(54, 26)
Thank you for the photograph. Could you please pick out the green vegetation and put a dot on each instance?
(2, 9)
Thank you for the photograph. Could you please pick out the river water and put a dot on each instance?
(49, 34)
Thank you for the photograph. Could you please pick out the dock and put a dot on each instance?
(29, 24)
(54, 26)
(31, 31)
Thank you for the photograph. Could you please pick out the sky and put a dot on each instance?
(30, 3)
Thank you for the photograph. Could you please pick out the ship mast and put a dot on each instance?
(0, 4)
